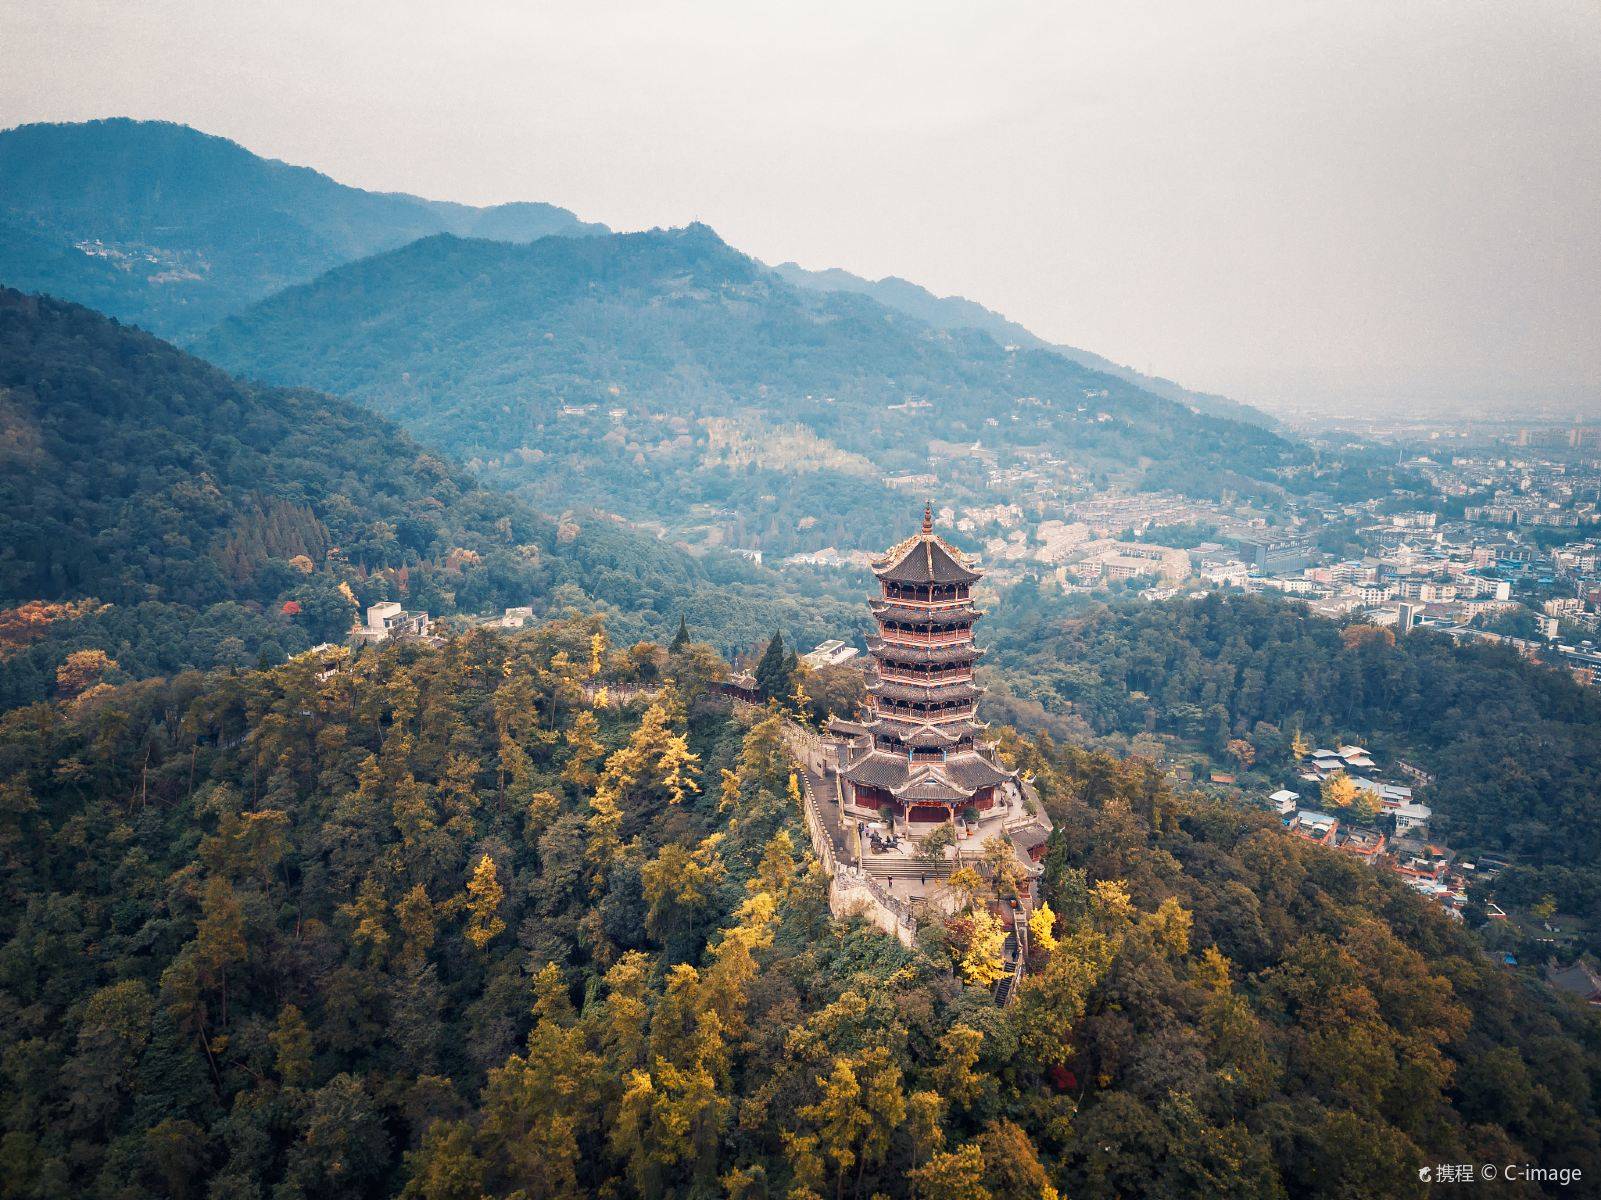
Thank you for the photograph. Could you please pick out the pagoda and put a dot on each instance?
(915, 754)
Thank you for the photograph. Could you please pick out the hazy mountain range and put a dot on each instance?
(958, 312)
(664, 375)
(173, 229)
(662, 372)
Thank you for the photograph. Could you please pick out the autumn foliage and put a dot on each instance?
(435, 925)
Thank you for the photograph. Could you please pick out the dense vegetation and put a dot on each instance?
(665, 374)
(1515, 746)
(191, 228)
(224, 523)
(435, 925)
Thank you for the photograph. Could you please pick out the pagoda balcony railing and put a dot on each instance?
(919, 602)
(931, 679)
(926, 639)
(961, 713)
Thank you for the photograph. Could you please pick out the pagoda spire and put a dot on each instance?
(928, 516)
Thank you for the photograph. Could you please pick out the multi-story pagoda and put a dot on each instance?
(916, 754)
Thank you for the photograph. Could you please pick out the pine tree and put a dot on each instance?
(585, 751)
(773, 671)
(681, 638)
(415, 914)
(953, 1072)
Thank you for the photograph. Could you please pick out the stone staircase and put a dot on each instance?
(1015, 954)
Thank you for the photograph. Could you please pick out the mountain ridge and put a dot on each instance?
(172, 228)
(688, 357)
(53, 239)
(951, 312)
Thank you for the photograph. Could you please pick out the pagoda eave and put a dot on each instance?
(912, 652)
(896, 689)
(925, 614)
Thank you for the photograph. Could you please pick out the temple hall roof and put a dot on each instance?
(932, 786)
(972, 770)
(951, 781)
(878, 768)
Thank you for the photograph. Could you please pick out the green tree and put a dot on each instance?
(773, 671)
(291, 1040)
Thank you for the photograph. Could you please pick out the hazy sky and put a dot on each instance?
(1286, 202)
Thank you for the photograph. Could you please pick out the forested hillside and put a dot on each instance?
(174, 229)
(432, 926)
(1515, 746)
(156, 510)
(665, 373)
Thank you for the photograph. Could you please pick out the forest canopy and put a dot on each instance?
(441, 923)
(1514, 746)
(215, 523)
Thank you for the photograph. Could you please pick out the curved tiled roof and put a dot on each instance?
(932, 787)
(925, 557)
(952, 780)
(895, 652)
(972, 770)
(879, 769)
(895, 689)
(920, 733)
(900, 610)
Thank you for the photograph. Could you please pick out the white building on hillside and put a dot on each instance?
(388, 620)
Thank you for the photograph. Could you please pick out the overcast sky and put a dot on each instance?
(1339, 204)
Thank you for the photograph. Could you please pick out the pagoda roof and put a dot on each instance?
(921, 733)
(925, 557)
(950, 652)
(895, 689)
(903, 610)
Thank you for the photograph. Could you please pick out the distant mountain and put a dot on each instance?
(666, 373)
(198, 507)
(957, 312)
(174, 229)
